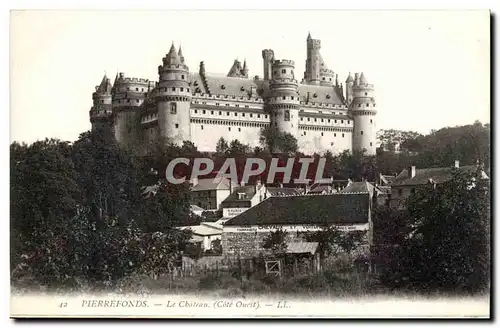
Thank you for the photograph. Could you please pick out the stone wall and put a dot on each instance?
(248, 244)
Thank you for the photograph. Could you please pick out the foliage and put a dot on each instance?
(333, 241)
(448, 245)
(275, 241)
(276, 141)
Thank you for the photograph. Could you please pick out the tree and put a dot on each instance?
(236, 148)
(276, 141)
(448, 246)
(332, 241)
(275, 241)
(222, 147)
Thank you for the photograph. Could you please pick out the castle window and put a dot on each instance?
(234, 97)
(323, 78)
(128, 89)
(227, 105)
(342, 135)
(328, 120)
(182, 89)
(361, 132)
(237, 105)
(373, 105)
(246, 106)
(258, 115)
(176, 125)
(367, 105)
(284, 97)
(366, 93)
(202, 127)
(243, 114)
(182, 77)
(235, 114)
(330, 79)
(187, 89)
(227, 113)
(335, 121)
(322, 120)
(137, 100)
(102, 101)
(371, 144)
(239, 129)
(371, 121)
(359, 105)
(308, 119)
(292, 97)
(283, 71)
(204, 111)
(342, 121)
(287, 115)
(223, 87)
(225, 96)
(304, 132)
(331, 143)
(301, 118)
(212, 112)
(196, 111)
(251, 115)
(173, 88)
(265, 116)
(315, 95)
(229, 128)
(321, 133)
(173, 108)
(217, 104)
(334, 134)
(136, 89)
(327, 96)
(220, 113)
(315, 120)
(128, 100)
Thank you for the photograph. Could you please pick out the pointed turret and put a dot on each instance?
(181, 56)
(349, 78)
(309, 36)
(362, 79)
(105, 86)
(172, 58)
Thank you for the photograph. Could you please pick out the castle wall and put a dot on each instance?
(364, 134)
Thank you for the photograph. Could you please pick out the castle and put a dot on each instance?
(202, 108)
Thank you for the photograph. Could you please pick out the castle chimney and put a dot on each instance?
(457, 164)
(412, 170)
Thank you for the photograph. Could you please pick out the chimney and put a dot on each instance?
(457, 164)
(412, 170)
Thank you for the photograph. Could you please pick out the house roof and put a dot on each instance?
(302, 247)
(212, 184)
(307, 209)
(247, 191)
(437, 174)
(319, 189)
(196, 208)
(203, 230)
(278, 192)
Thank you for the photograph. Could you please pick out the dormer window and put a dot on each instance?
(327, 96)
(242, 88)
(315, 95)
(223, 87)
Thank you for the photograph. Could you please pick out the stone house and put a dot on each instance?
(244, 234)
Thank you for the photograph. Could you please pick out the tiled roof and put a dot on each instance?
(358, 188)
(277, 191)
(312, 209)
(248, 191)
(203, 230)
(319, 189)
(212, 184)
(302, 247)
(241, 87)
(437, 174)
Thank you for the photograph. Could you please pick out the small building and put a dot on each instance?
(204, 234)
(209, 193)
(377, 194)
(196, 210)
(244, 234)
(244, 197)
(406, 182)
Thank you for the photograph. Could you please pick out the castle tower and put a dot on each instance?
(174, 99)
(268, 57)
(349, 83)
(128, 96)
(101, 113)
(313, 61)
(283, 100)
(362, 109)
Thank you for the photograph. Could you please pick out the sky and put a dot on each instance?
(430, 69)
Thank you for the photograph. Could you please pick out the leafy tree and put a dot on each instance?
(236, 148)
(448, 247)
(333, 241)
(275, 241)
(276, 141)
(222, 147)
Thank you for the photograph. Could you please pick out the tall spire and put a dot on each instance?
(245, 64)
(349, 78)
(180, 53)
(309, 35)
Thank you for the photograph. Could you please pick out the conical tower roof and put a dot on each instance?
(349, 78)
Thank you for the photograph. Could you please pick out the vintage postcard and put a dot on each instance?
(229, 164)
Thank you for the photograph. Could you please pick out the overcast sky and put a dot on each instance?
(430, 68)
